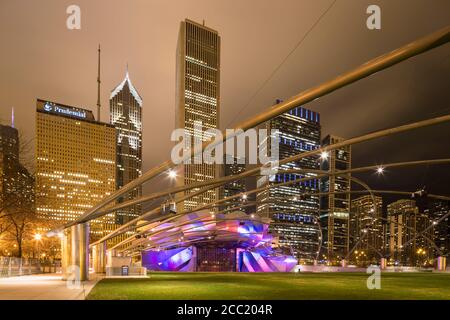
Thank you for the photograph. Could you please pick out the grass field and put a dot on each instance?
(282, 286)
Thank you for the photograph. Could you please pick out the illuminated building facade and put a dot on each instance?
(335, 207)
(16, 183)
(294, 216)
(441, 232)
(233, 166)
(197, 100)
(126, 117)
(366, 223)
(405, 222)
(9, 142)
(75, 164)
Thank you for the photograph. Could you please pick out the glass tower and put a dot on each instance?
(126, 116)
(197, 100)
(294, 215)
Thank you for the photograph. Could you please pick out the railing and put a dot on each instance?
(13, 267)
(130, 271)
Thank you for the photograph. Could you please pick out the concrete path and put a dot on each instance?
(43, 287)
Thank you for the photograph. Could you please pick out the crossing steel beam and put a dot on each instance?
(382, 62)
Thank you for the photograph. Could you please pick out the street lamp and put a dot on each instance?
(172, 174)
(38, 238)
(380, 170)
(324, 155)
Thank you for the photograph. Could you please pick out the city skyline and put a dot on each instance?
(217, 150)
(427, 76)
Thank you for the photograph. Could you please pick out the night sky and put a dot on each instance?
(41, 58)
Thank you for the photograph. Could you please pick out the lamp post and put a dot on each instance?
(38, 238)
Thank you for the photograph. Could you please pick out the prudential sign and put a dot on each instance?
(66, 111)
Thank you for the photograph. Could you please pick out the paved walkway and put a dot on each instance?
(42, 287)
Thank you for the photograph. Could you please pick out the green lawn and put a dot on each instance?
(284, 286)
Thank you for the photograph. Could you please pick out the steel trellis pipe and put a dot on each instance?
(382, 62)
(324, 174)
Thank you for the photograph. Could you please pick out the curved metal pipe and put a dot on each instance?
(382, 62)
(325, 173)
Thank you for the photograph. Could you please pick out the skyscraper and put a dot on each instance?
(294, 216)
(16, 183)
(405, 222)
(126, 116)
(335, 207)
(231, 167)
(366, 229)
(75, 164)
(435, 211)
(9, 142)
(197, 99)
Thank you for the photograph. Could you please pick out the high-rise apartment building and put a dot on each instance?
(405, 222)
(197, 100)
(441, 232)
(126, 116)
(366, 229)
(75, 164)
(335, 207)
(294, 215)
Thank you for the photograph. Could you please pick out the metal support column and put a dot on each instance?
(383, 263)
(99, 257)
(80, 250)
(441, 263)
(65, 253)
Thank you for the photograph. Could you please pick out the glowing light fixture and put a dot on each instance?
(324, 155)
(172, 174)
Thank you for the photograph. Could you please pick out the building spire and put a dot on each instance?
(12, 117)
(98, 85)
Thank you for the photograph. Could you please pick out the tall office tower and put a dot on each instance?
(16, 183)
(126, 116)
(366, 229)
(197, 100)
(9, 142)
(405, 222)
(294, 216)
(335, 207)
(232, 166)
(441, 232)
(75, 164)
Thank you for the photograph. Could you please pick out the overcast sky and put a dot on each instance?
(41, 58)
